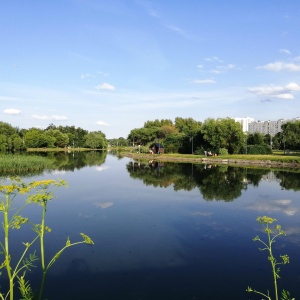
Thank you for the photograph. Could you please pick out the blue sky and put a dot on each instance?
(112, 65)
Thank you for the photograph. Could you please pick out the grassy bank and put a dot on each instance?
(58, 149)
(22, 164)
(277, 159)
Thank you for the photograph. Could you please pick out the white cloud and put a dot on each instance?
(213, 58)
(100, 168)
(104, 74)
(86, 76)
(223, 69)
(285, 51)
(292, 86)
(200, 66)
(204, 81)
(54, 117)
(200, 213)
(227, 67)
(276, 91)
(12, 111)
(283, 205)
(101, 123)
(216, 71)
(105, 86)
(104, 204)
(281, 66)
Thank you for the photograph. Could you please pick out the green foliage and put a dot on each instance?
(142, 136)
(7, 130)
(95, 140)
(223, 151)
(272, 235)
(38, 193)
(255, 139)
(259, 149)
(173, 143)
(13, 139)
(17, 143)
(158, 123)
(20, 164)
(223, 133)
(57, 138)
(188, 126)
(119, 142)
(36, 138)
(76, 135)
(291, 135)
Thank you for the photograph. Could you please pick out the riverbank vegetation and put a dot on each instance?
(184, 136)
(13, 139)
(23, 164)
(18, 268)
(272, 235)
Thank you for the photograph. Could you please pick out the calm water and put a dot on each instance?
(166, 230)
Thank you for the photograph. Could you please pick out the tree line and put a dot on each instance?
(13, 139)
(185, 135)
(220, 136)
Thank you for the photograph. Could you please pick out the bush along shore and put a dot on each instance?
(278, 161)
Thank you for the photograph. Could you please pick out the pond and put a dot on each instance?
(166, 230)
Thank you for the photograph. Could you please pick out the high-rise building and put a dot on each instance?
(268, 127)
(244, 122)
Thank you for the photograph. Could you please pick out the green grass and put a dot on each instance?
(277, 156)
(20, 164)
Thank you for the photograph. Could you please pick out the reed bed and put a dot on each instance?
(15, 164)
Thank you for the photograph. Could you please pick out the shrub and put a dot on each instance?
(223, 151)
(259, 149)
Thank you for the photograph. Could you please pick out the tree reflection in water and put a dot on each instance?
(215, 182)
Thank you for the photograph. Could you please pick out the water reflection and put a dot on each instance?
(155, 235)
(65, 161)
(220, 182)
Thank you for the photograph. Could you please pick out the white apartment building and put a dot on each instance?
(244, 122)
(266, 127)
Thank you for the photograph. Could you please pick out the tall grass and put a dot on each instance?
(14, 164)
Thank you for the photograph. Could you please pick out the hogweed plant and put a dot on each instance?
(39, 193)
(272, 234)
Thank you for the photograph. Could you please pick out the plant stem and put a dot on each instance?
(273, 261)
(42, 233)
(6, 243)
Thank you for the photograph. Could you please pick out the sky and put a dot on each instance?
(113, 65)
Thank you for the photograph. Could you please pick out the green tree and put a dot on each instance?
(35, 138)
(223, 133)
(18, 144)
(95, 140)
(291, 135)
(188, 126)
(7, 130)
(256, 138)
(143, 136)
(76, 135)
(158, 123)
(3, 143)
(174, 143)
(61, 139)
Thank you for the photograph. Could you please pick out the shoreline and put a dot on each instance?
(215, 160)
